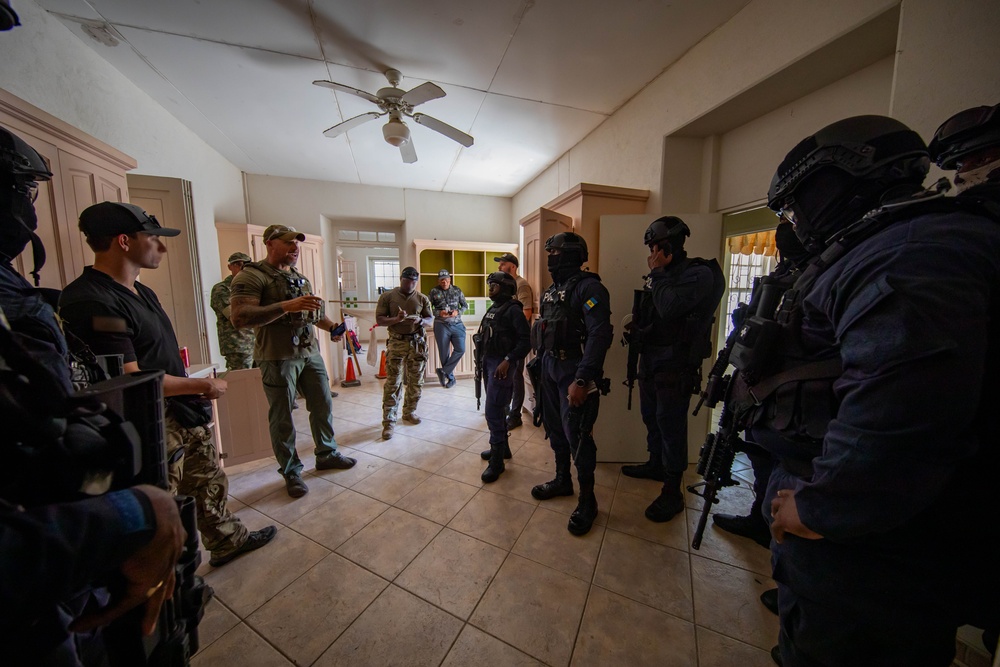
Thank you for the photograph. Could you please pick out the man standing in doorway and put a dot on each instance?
(449, 332)
(277, 300)
(508, 264)
(236, 344)
(404, 312)
(109, 310)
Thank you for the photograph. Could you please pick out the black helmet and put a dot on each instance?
(965, 132)
(835, 176)
(19, 159)
(568, 242)
(668, 231)
(506, 282)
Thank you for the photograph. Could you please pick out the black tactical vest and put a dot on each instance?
(497, 340)
(560, 329)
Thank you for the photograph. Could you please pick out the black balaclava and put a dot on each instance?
(790, 249)
(564, 265)
(18, 221)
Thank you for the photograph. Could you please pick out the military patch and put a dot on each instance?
(589, 303)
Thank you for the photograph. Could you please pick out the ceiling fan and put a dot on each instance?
(397, 103)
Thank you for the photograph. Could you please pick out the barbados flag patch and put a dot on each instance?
(589, 303)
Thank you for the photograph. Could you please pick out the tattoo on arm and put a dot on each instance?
(247, 312)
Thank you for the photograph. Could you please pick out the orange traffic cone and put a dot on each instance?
(351, 380)
(381, 367)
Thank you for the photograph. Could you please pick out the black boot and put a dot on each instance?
(582, 518)
(562, 485)
(651, 469)
(669, 503)
(485, 454)
(751, 525)
(496, 466)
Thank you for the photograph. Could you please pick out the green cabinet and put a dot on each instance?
(468, 263)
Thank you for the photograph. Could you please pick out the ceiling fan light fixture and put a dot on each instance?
(396, 132)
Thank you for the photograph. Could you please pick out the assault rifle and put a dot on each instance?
(632, 338)
(716, 385)
(138, 399)
(534, 368)
(477, 357)
(582, 418)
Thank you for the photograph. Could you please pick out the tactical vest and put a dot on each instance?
(690, 336)
(494, 339)
(294, 285)
(560, 329)
(786, 389)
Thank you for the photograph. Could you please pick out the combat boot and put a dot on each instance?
(486, 453)
(562, 485)
(496, 466)
(651, 469)
(582, 518)
(669, 503)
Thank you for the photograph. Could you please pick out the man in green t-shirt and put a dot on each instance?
(277, 301)
(404, 312)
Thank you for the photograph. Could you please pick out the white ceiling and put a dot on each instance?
(527, 78)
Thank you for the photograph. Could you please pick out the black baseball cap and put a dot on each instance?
(110, 218)
(507, 257)
(410, 272)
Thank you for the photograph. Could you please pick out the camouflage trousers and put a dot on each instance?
(239, 361)
(405, 360)
(196, 473)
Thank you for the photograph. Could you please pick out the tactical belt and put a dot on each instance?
(398, 336)
(818, 370)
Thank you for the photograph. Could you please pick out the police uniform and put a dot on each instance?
(572, 337)
(235, 344)
(148, 338)
(287, 352)
(527, 298)
(449, 332)
(889, 449)
(503, 336)
(406, 352)
(675, 321)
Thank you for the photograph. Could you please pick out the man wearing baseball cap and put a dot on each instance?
(236, 344)
(113, 313)
(278, 302)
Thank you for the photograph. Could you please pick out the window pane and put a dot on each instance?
(367, 236)
(347, 235)
(389, 237)
(384, 275)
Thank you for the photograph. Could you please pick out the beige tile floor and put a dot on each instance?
(408, 559)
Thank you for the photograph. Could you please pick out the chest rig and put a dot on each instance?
(286, 285)
(560, 329)
(494, 339)
(690, 336)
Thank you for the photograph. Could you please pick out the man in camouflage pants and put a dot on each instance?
(236, 344)
(404, 312)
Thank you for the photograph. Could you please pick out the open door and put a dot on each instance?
(177, 281)
(619, 432)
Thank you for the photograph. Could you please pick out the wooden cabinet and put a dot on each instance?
(469, 263)
(85, 172)
(241, 418)
(579, 210)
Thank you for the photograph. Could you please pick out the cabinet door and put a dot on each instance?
(534, 263)
(85, 184)
(241, 418)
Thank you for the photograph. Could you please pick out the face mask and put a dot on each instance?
(17, 222)
(973, 177)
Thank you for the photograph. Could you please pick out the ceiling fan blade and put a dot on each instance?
(408, 152)
(444, 128)
(350, 124)
(425, 92)
(347, 89)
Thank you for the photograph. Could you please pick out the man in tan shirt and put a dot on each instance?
(404, 312)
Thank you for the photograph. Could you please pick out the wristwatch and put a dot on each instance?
(580, 382)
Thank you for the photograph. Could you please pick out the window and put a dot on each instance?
(383, 275)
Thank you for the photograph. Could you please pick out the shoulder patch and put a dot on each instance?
(589, 303)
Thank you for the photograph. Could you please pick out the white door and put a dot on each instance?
(620, 433)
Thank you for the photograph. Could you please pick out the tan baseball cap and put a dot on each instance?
(283, 232)
(239, 257)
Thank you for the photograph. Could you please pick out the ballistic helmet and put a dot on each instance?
(19, 159)
(568, 242)
(667, 232)
(964, 133)
(506, 282)
(832, 178)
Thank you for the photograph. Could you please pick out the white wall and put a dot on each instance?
(750, 153)
(44, 64)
